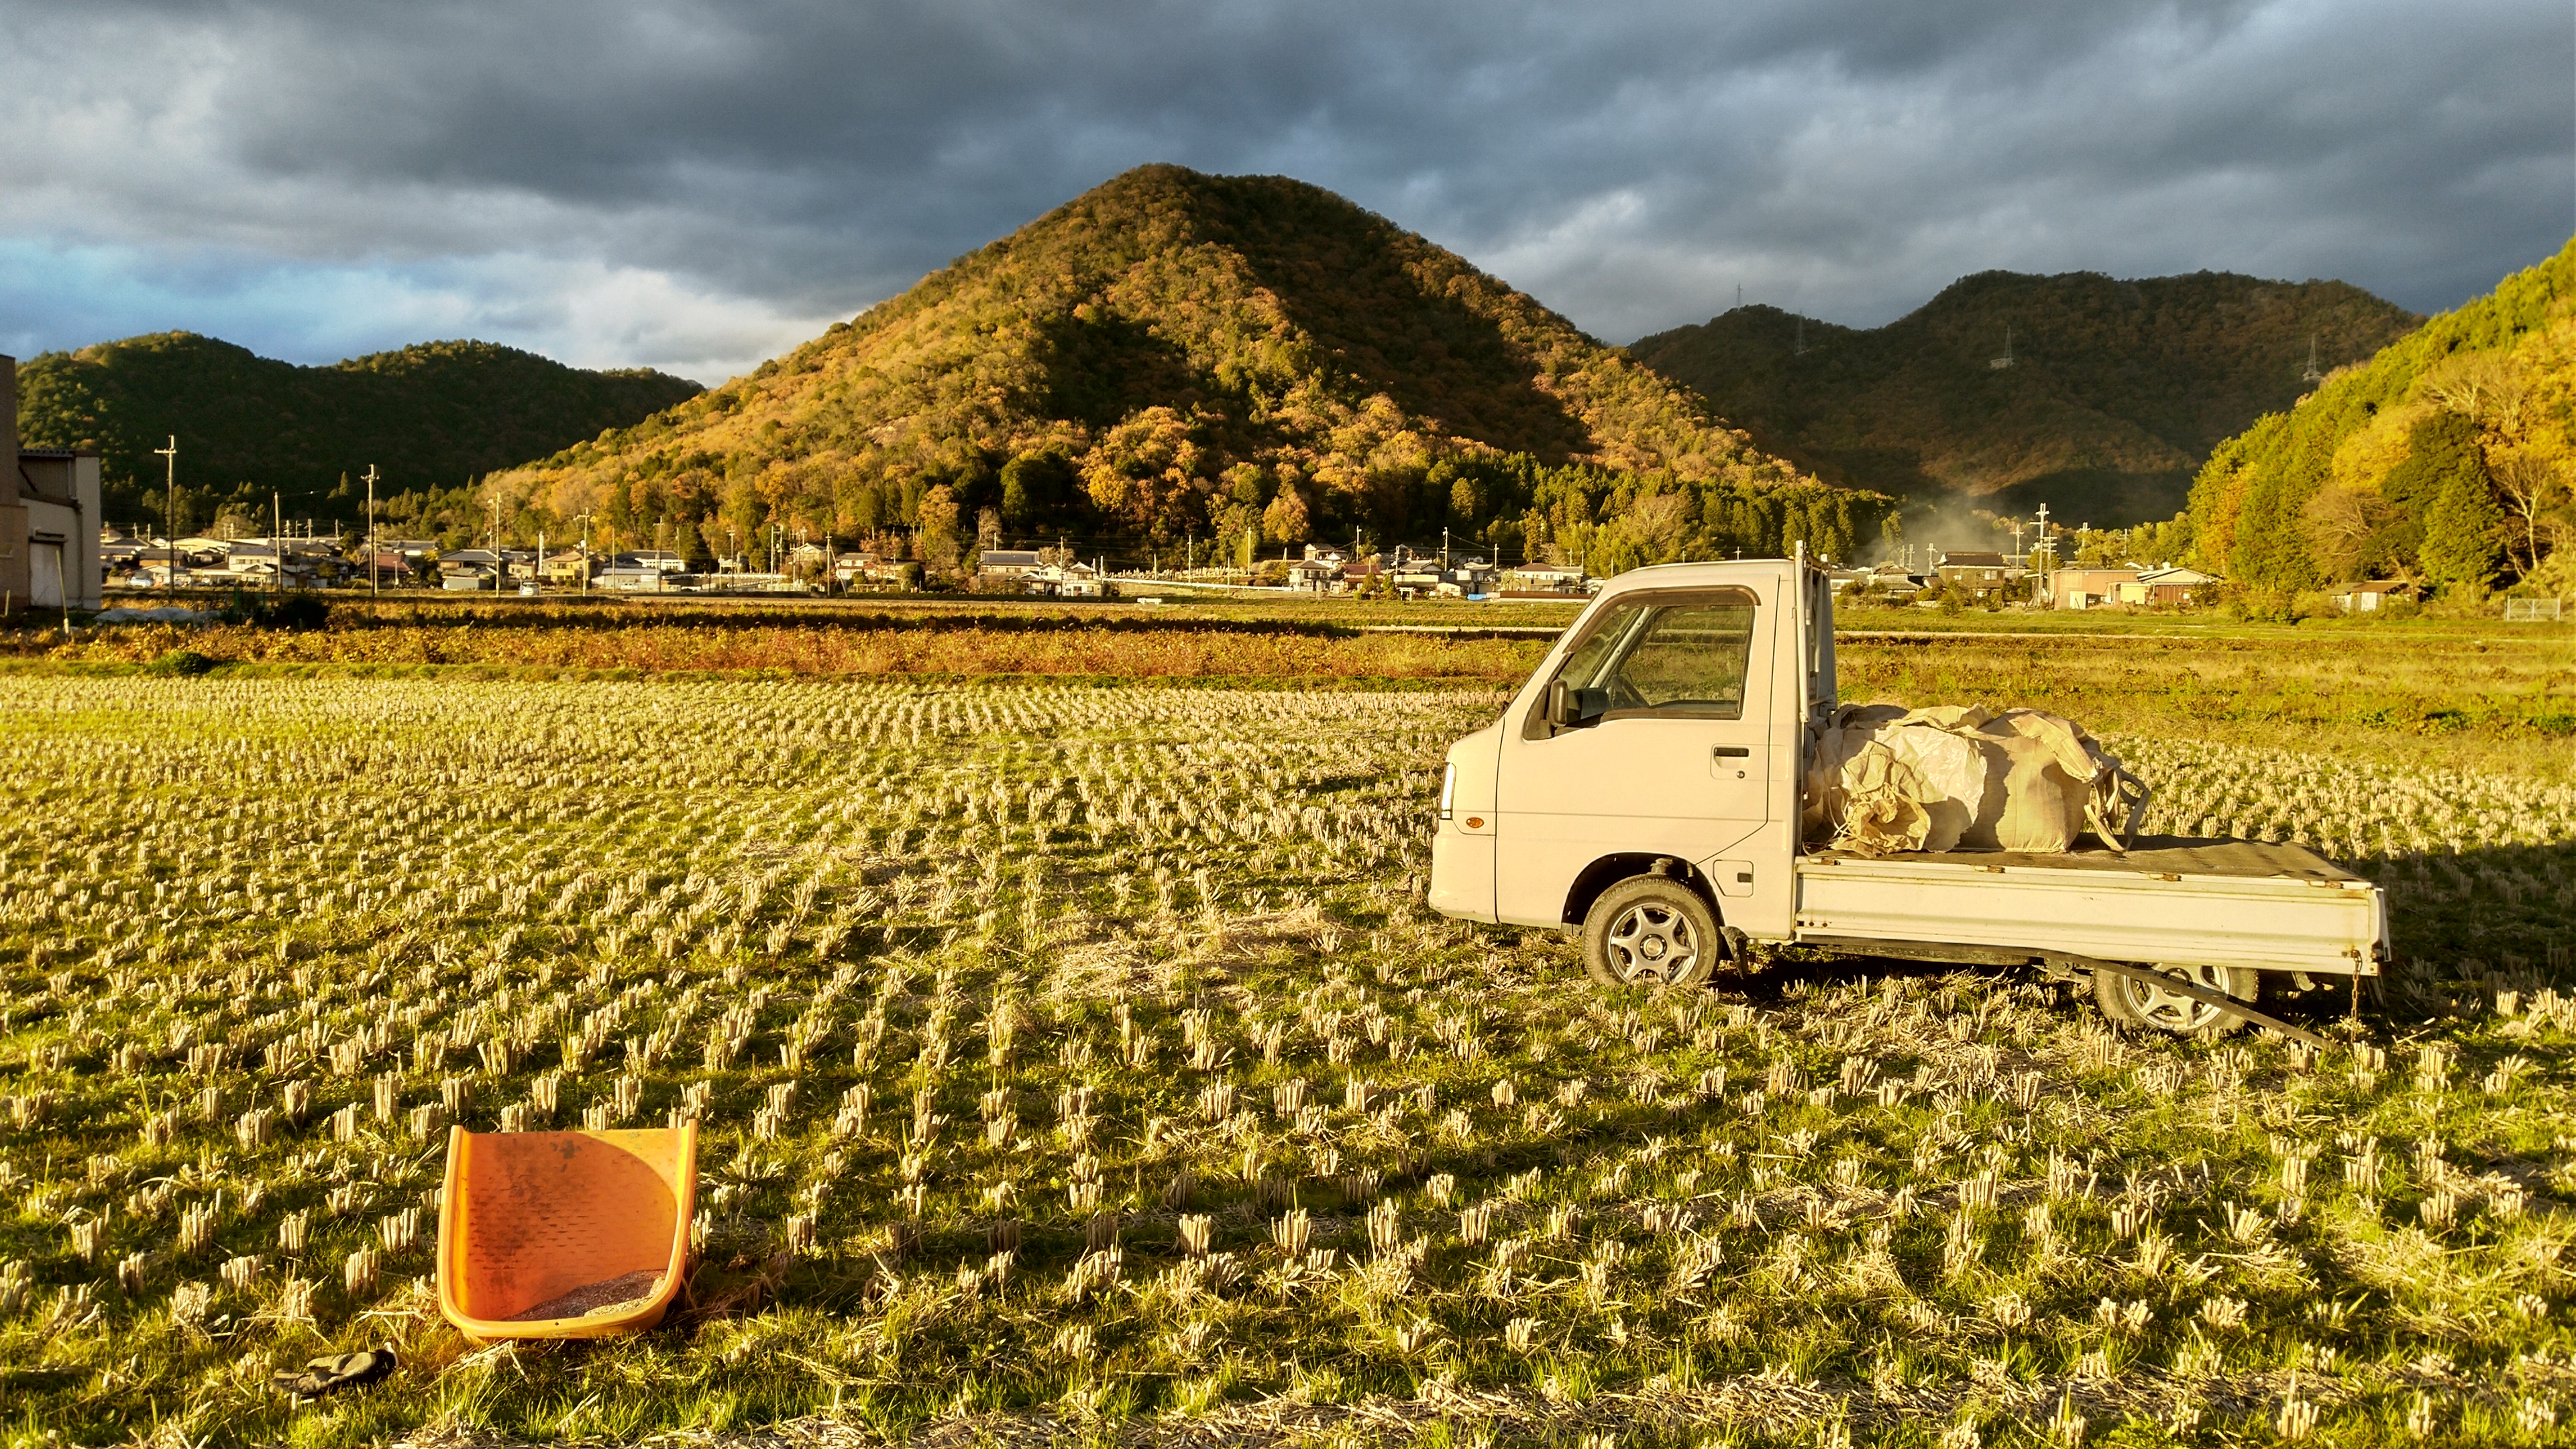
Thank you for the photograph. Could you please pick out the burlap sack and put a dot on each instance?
(1958, 777)
(1862, 795)
(1954, 768)
(1883, 803)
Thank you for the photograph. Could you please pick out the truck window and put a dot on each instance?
(1685, 658)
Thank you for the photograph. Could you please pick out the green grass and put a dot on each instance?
(1834, 1199)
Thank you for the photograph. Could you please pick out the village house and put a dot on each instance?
(1319, 572)
(2169, 586)
(1894, 582)
(473, 563)
(1975, 575)
(1471, 579)
(1064, 581)
(1001, 570)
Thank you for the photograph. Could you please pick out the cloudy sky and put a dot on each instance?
(697, 184)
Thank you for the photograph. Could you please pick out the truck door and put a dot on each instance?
(1666, 752)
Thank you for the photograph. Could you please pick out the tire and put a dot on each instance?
(1651, 930)
(2136, 1006)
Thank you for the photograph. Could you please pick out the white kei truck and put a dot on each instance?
(1644, 788)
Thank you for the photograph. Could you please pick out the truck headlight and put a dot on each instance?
(1448, 787)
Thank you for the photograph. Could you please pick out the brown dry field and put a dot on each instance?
(2458, 694)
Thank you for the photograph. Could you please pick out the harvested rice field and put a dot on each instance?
(1080, 1065)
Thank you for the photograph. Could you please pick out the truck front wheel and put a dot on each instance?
(1651, 930)
(2136, 1004)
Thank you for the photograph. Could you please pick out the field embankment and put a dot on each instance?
(856, 646)
(2457, 694)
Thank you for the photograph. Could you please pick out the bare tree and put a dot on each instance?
(2536, 492)
(2339, 522)
(2484, 387)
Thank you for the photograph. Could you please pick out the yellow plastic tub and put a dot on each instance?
(531, 1219)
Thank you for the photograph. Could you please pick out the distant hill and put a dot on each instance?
(2447, 458)
(428, 416)
(2116, 393)
(1177, 356)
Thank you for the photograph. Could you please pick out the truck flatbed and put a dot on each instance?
(2171, 857)
(2168, 901)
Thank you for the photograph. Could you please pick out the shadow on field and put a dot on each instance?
(2466, 925)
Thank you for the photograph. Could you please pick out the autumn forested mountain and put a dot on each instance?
(431, 416)
(2116, 392)
(1174, 356)
(2447, 458)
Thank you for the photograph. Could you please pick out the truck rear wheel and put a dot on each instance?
(1651, 930)
(2139, 1005)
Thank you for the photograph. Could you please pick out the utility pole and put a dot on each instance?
(375, 581)
(540, 575)
(585, 553)
(277, 540)
(170, 514)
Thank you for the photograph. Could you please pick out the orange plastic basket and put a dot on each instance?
(529, 1217)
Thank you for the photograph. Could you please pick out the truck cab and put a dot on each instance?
(1662, 733)
(1644, 785)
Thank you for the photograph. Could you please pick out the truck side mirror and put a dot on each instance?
(1560, 705)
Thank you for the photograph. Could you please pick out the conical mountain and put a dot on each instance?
(2115, 393)
(1169, 354)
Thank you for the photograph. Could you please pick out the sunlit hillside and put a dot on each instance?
(2445, 459)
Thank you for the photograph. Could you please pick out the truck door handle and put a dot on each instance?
(1734, 752)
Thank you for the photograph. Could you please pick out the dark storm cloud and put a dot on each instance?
(695, 184)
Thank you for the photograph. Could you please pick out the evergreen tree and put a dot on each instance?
(2461, 551)
(2448, 517)
(685, 542)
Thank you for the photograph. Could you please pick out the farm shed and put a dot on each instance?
(2367, 598)
(48, 516)
(2087, 588)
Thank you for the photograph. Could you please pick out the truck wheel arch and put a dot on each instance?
(1609, 870)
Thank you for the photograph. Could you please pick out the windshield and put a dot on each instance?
(1687, 658)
